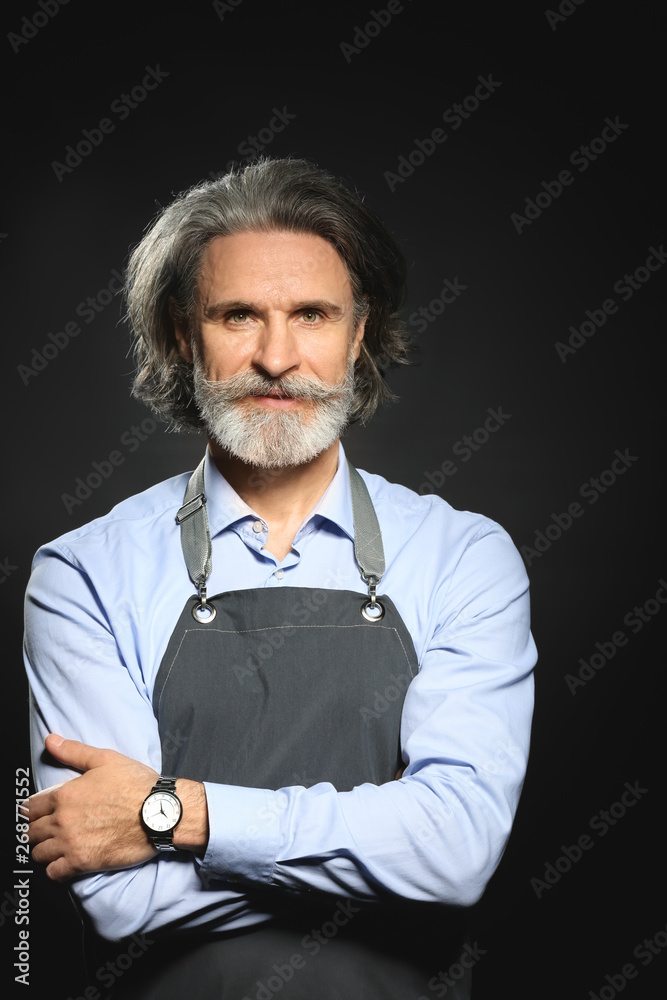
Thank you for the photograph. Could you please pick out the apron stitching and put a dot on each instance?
(275, 628)
(171, 666)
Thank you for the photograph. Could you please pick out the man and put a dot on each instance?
(314, 687)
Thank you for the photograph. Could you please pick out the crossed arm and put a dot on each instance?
(92, 823)
(435, 835)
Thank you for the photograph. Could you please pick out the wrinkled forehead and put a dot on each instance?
(271, 266)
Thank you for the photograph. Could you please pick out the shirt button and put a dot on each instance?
(279, 574)
(257, 527)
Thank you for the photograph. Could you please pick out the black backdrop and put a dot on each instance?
(477, 197)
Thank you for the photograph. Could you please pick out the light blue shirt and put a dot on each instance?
(102, 603)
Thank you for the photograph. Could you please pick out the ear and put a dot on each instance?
(180, 331)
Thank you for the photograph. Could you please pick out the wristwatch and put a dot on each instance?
(161, 813)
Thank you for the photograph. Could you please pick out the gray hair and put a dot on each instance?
(272, 194)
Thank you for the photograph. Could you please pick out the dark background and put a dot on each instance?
(494, 347)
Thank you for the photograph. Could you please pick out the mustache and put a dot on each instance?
(251, 383)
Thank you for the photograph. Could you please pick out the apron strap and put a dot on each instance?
(195, 532)
(196, 540)
(368, 548)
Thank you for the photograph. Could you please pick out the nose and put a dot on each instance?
(277, 350)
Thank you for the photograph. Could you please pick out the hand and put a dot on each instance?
(91, 823)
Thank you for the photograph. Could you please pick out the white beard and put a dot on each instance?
(267, 437)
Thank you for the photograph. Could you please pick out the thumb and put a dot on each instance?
(72, 752)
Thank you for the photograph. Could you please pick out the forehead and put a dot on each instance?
(252, 264)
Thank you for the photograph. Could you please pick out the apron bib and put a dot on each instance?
(267, 688)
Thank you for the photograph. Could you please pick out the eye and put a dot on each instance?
(310, 315)
(238, 317)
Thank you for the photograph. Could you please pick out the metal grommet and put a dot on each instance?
(204, 613)
(374, 615)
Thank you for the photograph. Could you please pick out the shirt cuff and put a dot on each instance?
(244, 832)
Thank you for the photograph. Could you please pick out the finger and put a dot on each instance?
(60, 870)
(40, 804)
(47, 852)
(41, 830)
(72, 752)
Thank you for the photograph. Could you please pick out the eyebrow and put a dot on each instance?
(217, 310)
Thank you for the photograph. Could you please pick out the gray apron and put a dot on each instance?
(265, 688)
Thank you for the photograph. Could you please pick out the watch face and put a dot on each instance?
(161, 811)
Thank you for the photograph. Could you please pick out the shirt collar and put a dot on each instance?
(225, 507)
